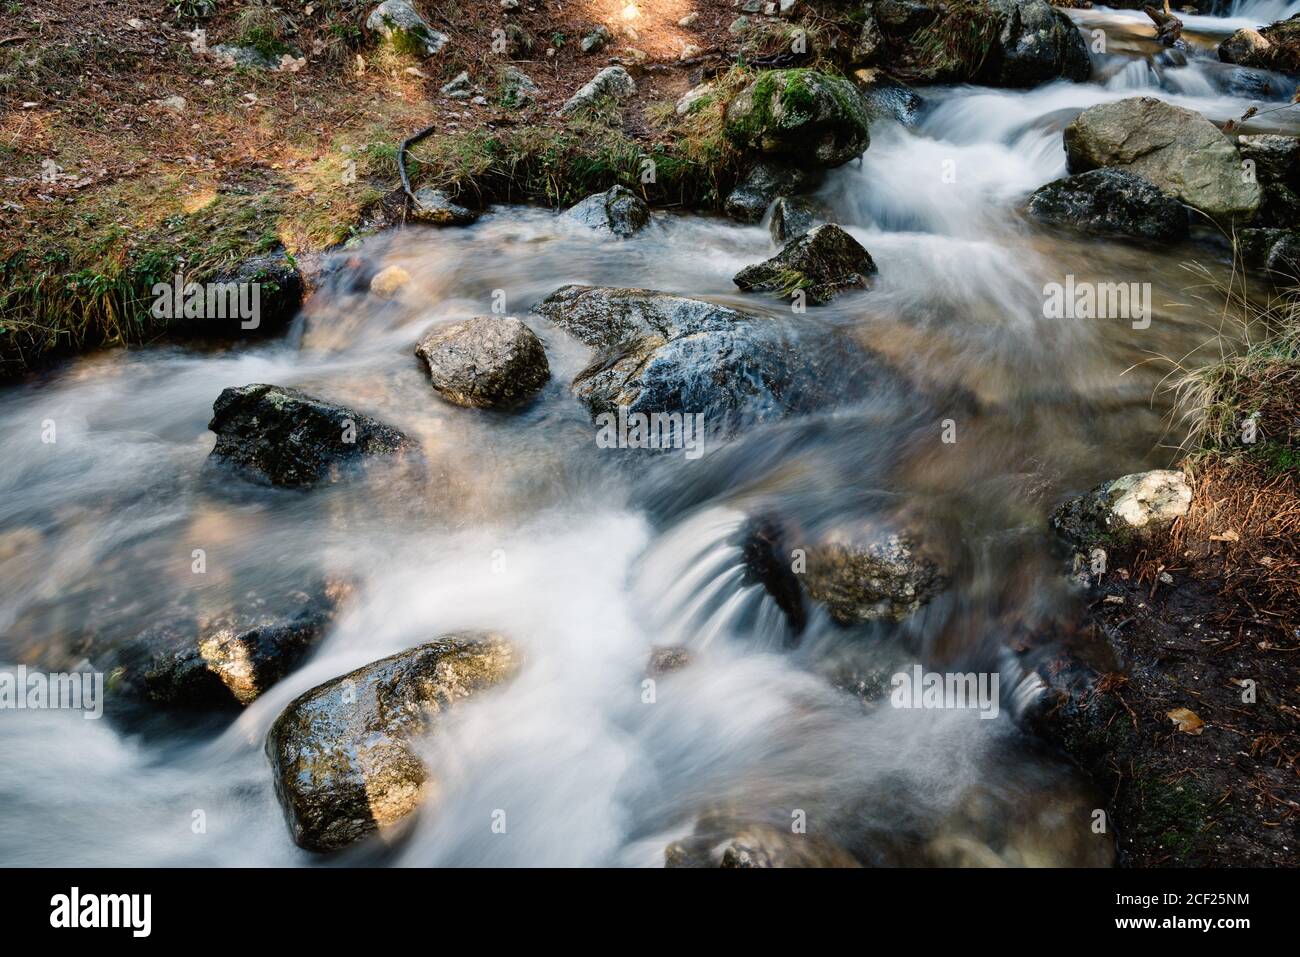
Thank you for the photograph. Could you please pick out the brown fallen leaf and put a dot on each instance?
(1188, 721)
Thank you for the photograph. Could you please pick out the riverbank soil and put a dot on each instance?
(1180, 692)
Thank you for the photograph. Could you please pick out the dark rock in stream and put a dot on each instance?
(1277, 251)
(258, 297)
(224, 661)
(766, 180)
(1276, 162)
(819, 263)
(342, 754)
(284, 437)
(1111, 202)
(871, 576)
(765, 552)
(665, 354)
(485, 362)
(793, 216)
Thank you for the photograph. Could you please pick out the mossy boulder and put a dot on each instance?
(488, 362)
(1176, 149)
(863, 577)
(802, 115)
(820, 263)
(280, 436)
(403, 29)
(342, 754)
(1111, 202)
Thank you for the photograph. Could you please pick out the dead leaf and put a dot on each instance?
(1228, 536)
(1188, 721)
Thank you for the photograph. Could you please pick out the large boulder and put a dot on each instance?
(1275, 47)
(403, 29)
(212, 662)
(487, 362)
(342, 754)
(763, 183)
(866, 577)
(1017, 43)
(803, 116)
(1125, 509)
(616, 212)
(820, 263)
(665, 354)
(1178, 150)
(282, 436)
(613, 82)
(1110, 202)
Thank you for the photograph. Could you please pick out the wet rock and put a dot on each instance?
(667, 354)
(617, 212)
(1276, 162)
(226, 660)
(1178, 150)
(1275, 47)
(516, 88)
(1018, 43)
(768, 562)
(342, 755)
(803, 116)
(613, 81)
(1247, 84)
(793, 216)
(886, 97)
(403, 29)
(1111, 202)
(281, 436)
(765, 181)
(821, 262)
(485, 362)
(665, 659)
(1124, 509)
(436, 207)
(389, 281)
(863, 577)
(1276, 251)
(720, 842)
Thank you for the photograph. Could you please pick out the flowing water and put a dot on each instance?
(587, 557)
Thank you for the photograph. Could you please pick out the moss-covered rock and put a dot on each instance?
(819, 263)
(802, 115)
(403, 29)
(1124, 509)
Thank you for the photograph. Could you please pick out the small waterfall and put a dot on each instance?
(1264, 11)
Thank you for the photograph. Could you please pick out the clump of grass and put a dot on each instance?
(953, 47)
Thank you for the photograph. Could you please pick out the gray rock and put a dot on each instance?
(404, 29)
(696, 98)
(617, 212)
(517, 88)
(793, 216)
(232, 54)
(437, 208)
(1178, 150)
(1125, 509)
(803, 116)
(613, 81)
(1277, 169)
(1111, 202)
(765, 181)
(459, 87)
(665, 659)
(342, 755)
(485, 362)
(668, 354)
(284, 437)
(596, 40)
(886, 97)
(1275, 250)
(821, 262)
